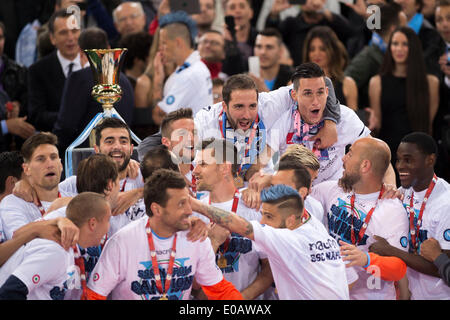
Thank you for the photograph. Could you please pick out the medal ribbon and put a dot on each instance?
(234, 210)
(414, 229)
(79, 261)
(123, 185)
(222, 124)
(155, 262)
(362, 231)
(41, 207)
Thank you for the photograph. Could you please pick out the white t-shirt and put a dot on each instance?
(315, 208)
(16, 212)
(207, 125)
(189, 86)
(48, 271)
(134, 212)
(387, 221)
(349, 129)
(91, 254)
(69, 185)
(435, 224)
(125, 266)
(242, 259)
(305, 262)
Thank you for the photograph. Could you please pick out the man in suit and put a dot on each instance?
(47, 76)
(78, 107)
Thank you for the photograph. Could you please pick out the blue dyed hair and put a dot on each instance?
(278, 192)
(183, 18)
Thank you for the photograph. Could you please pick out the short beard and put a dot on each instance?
(125, 163)
(348, 181)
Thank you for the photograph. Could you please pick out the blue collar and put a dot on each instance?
(416, 22)
(378, 41)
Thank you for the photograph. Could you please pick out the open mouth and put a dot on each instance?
(244, 123)
(117, 155)
(50, 174)
(315, 111)
(403, 175)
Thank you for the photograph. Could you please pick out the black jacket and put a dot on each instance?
(45, 84)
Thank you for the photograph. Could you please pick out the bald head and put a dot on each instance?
(377, 152)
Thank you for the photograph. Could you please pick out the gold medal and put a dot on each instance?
(239, 182)
(222, 262)
(164, 297)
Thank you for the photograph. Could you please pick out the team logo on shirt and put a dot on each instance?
(96, 277)
(340, 222)
(447, 235)
(182, 278)
(404, 242)
(170, 99)
(36, 278)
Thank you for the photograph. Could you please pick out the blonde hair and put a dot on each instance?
(305, 156)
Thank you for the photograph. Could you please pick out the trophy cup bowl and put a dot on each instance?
(105, 65)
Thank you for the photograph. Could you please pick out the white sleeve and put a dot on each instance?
(107, 272)
(351, 128)
(264, 236)
(207, 272)
(178, 95)
(396, 224)
(34, 270)
(273, 104)
(68, 187)
(276, 134)
(204, 122)
(442, 230)
(351, 274)
(321, 192)
(12, 219)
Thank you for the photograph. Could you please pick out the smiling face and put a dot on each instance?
(311, 96)
(242, 108)
(211, 47)
(206, 171)
(182, 139)
(413, 166)
(177, 211)
(116, 143)
(44, 167)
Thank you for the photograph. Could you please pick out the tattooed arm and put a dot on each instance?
(226, 219)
